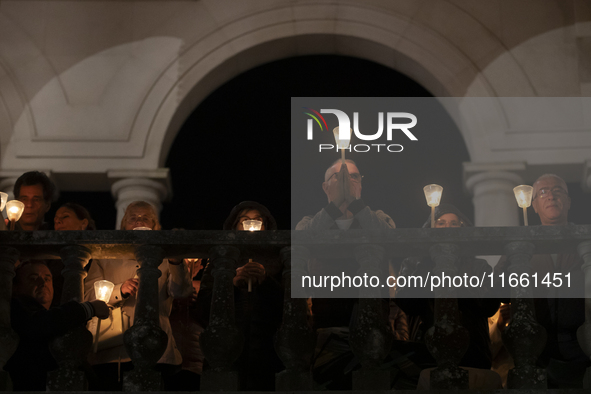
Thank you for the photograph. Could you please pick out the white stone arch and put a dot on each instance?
(364, 32)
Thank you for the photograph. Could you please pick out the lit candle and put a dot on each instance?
(14, 210)
(342, 143)
(102, 290)
(251, 225)
(433, 195)
(523, 195)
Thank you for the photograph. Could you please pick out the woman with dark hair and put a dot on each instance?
(72, 216)
(258, 313)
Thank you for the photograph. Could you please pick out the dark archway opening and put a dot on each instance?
(235, 145)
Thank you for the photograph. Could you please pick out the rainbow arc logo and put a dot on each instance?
(315, 118)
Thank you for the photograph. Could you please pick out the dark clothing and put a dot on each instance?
(36, 327)
(258, 313)
(560, 317)
(258, 316)
(473, 305)
(473, 308)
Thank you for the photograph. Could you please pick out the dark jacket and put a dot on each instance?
(258, 314)
(36, 327)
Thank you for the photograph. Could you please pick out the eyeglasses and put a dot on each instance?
(137, 218)
(556, 192)
(355, 177)
(443, 223)
(244, 218)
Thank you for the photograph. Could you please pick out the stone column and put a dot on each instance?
(145, 341)
(222, 342)
(491, 186)
(370, 336)
(494, 200)
(7, 186)
(71, 350)
(584, 332)
(8, 338)
(447, 340)
(295, 340)
(524, 337)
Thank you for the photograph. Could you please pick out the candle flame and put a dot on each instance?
(14, 209)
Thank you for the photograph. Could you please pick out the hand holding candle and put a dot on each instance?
(251, 225)
(102, 290)
(523, 195)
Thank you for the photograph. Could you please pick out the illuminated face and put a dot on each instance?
(448, 220)
(35, 206)
(139, 217)
(35, 280)
(252, 214)
(354, 176)
(66, 219)
(551, 201)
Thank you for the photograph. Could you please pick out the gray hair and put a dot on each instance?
(535, 191)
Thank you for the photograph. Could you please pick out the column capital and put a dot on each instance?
(157, 179)
(475, 173)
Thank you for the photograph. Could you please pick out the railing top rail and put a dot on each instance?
(197, 243)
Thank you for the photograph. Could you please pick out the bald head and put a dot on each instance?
(550, 200)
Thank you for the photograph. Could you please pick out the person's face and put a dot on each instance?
(35, 280)
(66, 219)
(252, 214)
(35, 206)
(448, 220)
(551, 201)
(354, 176)
(139, 217)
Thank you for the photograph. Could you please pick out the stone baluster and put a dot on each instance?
(584, 332)
(295, 340)
(222, 342)
(447, 340)
(524, 337)
(71, 350)
(8, 338)
(145, 341)
(370, 336)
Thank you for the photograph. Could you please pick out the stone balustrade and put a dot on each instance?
(295, 339)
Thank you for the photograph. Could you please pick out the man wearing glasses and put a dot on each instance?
(345, 209)
(562, 356)
(332, 317)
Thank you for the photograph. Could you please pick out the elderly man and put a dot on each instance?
(345, 209)
(332, 317)
(37, 324)
(563, 358)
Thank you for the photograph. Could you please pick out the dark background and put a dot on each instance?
(214, 167)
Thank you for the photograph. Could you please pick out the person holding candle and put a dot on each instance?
(259, 312)
(173, 283)
(37, 324)
(560, 310)
(475, 305)
(35, 190)
(332, 317)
